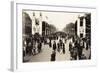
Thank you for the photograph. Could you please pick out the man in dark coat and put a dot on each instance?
(54, 46)
(53, 56)
(80, 50)
(70, 46)
(75, 53)
(30, 48)
(63, 48)
(58, 47)
(50, 45)
(39, 46)
(70, 49)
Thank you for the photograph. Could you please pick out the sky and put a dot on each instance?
(58, 19)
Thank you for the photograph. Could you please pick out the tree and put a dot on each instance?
(70, 29)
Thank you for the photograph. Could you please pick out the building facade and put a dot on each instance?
(81, 26)
(26, 25)
(37, 24)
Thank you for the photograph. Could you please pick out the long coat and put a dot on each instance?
(54, 46)
(53, 57)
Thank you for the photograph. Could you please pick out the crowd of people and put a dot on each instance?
(76, 47)
(59, 46)
(33, 47)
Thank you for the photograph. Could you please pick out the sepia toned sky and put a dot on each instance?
(58, 19)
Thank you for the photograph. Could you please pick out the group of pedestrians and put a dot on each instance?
(59, 46)
(31, 47)
(76, 50)
(37, 47)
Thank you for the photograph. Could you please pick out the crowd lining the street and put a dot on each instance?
(76, 45)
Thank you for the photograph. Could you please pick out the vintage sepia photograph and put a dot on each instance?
(49, 36)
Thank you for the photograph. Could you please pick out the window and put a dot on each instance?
(81, 35)
(36, 21)
(81, 21)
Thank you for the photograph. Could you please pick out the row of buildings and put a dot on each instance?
(36, 26)
(83, 27)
